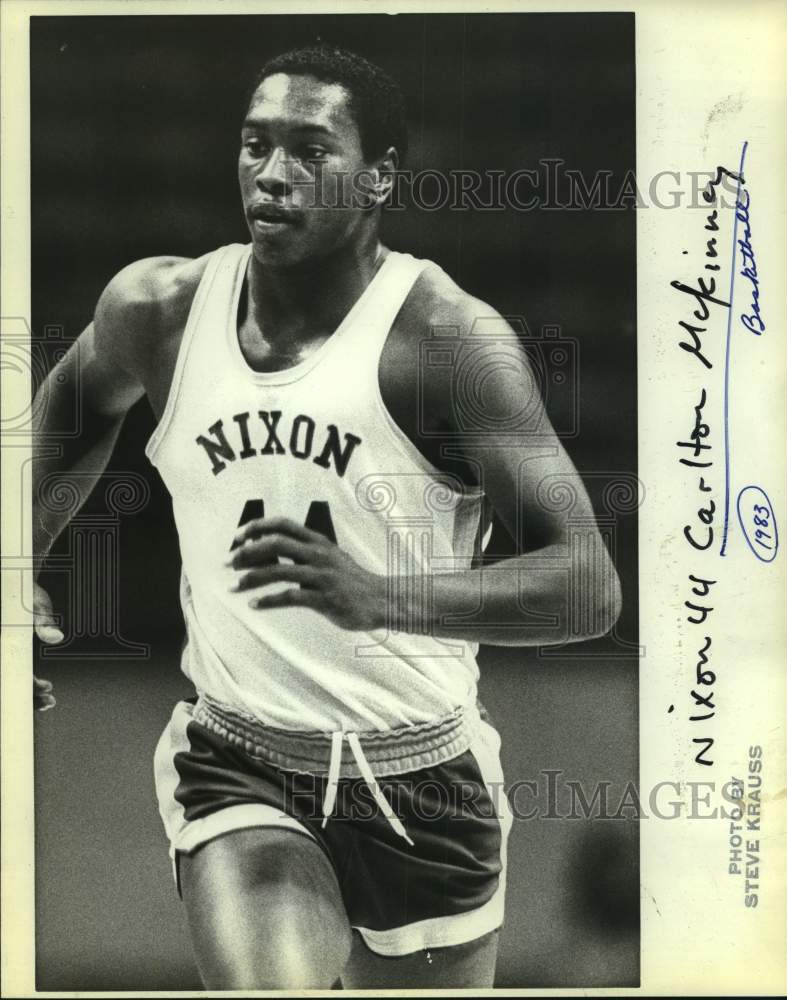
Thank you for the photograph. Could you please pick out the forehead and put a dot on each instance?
(301, 101)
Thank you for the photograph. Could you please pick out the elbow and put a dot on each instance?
(602, 603)
(614, 604)
(607, 603)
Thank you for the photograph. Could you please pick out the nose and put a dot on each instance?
(276, 174)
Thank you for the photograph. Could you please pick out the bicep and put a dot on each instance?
(505, 432)
(113, 351)
(533, 488)
(99, 373)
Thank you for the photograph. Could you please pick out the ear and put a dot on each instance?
(385, 174)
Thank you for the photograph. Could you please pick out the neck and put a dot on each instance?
(315, 296)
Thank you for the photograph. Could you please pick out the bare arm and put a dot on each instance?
(562, 586)
(100, 378)
(92, 382)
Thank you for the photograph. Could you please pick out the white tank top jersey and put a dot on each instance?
(315, 443)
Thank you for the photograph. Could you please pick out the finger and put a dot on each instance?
(41, 702)
(41, 685)
(278, 572)
(276, 525)
(47, 631)
(43, 613)
(268, 549)
(295, 597)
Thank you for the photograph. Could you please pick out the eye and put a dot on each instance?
(254, 147)
(314, 154)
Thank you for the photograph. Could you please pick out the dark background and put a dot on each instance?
(135, 127)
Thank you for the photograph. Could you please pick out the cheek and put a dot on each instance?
(246, 173)
(313, 192)
(333, 190)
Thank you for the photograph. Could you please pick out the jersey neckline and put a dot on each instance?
(285, 376)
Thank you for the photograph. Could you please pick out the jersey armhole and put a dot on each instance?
(402, 441)
(156, 439)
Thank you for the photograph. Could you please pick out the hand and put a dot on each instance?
(45, 625)
(42, 695)
(331, 581)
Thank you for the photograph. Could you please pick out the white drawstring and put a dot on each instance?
(366, 773)
(333, 776)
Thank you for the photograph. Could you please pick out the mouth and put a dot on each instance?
(269, 217)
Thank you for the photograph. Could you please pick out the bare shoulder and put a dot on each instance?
(145, 305)
(437, 301)
(155, 288)
(485, 353)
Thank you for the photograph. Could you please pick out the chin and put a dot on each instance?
(274, 254)
(290, 255)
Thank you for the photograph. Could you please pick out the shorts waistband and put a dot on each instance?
(390, 752)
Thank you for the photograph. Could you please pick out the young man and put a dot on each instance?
(333, 797)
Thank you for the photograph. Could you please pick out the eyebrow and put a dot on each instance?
(298, 127)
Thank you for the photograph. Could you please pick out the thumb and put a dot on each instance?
(44, 620)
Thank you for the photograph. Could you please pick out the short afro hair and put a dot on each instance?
(376, 99)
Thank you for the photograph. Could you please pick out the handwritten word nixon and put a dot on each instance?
(703, 707)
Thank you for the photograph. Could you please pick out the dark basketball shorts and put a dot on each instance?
(430, 874)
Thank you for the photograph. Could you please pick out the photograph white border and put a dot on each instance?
(710, 76)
